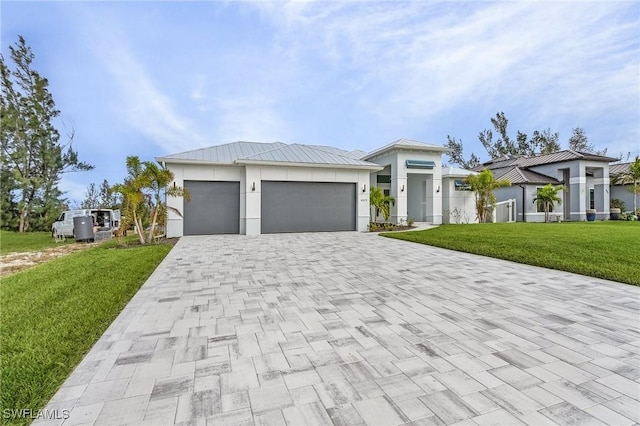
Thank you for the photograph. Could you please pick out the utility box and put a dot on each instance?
(83, 228)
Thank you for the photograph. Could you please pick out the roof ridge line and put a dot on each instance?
(317, 148)
(246, 157)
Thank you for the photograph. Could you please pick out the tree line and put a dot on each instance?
(33, 155)
(541, 142)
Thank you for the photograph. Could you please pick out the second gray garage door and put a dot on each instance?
(308, 206)
(214, 208)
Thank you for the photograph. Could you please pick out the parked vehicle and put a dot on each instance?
(103, 220)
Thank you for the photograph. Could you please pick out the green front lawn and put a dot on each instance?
(609, 250)
(51, 315)
(16, 242)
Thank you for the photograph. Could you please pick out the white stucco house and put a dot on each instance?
(257, 188)
(458, 201)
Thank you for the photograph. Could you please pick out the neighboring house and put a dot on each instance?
(623, 192)
(257, 188)
(584, 176)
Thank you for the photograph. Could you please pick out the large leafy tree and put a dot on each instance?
(457, 154)
(90, 200)
(548, 196)
(33, 157)
(631, 177)
(498, 143)
(108, 198)
(580, 142)
(484, 184)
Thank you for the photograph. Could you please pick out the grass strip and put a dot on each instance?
(52, 314)
(608, 249)
(20, 242)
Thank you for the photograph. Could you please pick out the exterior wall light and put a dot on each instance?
(253, 186)
(438, 190)
(364, 188)
(402, 188)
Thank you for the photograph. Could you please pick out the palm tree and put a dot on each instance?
(483, 184)
(157, 179)
(547, 196)
(382, 203)
(133, 196)
(631, 176)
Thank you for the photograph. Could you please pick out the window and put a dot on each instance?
(592, 199)
(386, 192)
(461, 185)
(61, 217)
(383, 179)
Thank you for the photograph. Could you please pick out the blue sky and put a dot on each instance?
(155, 78)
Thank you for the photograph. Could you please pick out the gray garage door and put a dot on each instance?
(308, 206)
(214, 208)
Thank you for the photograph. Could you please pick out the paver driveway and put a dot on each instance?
(353, 328)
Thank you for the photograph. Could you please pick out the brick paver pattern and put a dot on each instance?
(349, 329)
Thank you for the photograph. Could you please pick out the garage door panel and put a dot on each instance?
(214, 208)
(308, 206)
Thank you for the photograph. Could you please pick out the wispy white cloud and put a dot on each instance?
(249, 118)
(142, 103)
(555, 64)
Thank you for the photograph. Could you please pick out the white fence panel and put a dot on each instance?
(504, 211)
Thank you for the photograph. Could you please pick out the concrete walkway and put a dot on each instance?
(350, 328)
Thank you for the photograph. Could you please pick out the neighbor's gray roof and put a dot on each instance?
(560, 156)
(618, 168)
(277, 152)
(538, 160)
(406, 144)
(516, 175)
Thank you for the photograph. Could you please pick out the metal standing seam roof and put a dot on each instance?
(226, 153)
(560, 156)
(309, 154)
(618, 168)
(277, 152)
(449, 172)
(516, 175)
(407, 144)
(497, 163)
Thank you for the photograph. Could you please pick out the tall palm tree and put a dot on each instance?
(158, 180)
(631, 176)
(133, 196)
(548, 196)
(483, 184)
(382, 203)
